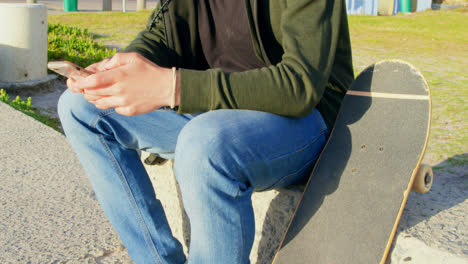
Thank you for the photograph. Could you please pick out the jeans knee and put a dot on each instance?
(73, 106)
(205, 159)
(203, 139)
(197, 144)
(66, 104)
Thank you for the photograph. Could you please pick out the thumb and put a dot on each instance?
(120, 59)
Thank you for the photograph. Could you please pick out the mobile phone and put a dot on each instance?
(66, 68)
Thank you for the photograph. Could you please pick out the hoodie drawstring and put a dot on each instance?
(159, 14)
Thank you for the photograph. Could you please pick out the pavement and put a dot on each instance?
(49, 213)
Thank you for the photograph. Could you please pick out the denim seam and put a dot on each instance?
(300, 148)
(242, 224)
(321, 121)
(130, 196)
(294, 173)
(290, 175)
(98, 116)
(127, 188)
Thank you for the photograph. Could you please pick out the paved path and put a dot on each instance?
(49, 213)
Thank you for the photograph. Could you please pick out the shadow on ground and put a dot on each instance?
(450, 188)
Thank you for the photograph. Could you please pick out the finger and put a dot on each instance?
(126, 111)
(100, 106)
(72, 87)
(70, 83)
(115, 89)
(120, 59)
(92, 68)
(101, 66)
(96, 67)
(76, 76)
(108, 102)
(105, 91)
(97, 80)
(91, 98)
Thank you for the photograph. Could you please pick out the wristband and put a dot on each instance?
(174, 86)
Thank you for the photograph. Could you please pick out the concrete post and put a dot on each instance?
(106, 5)
(23, 42)
(141, 5)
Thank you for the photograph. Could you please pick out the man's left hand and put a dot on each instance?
(128, 82)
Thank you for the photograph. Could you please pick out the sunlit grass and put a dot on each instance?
(433, 41)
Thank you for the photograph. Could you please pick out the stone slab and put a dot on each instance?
(49, 213)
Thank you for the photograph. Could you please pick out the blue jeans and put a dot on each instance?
(220, 158)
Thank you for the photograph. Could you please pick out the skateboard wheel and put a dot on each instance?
(423, 179)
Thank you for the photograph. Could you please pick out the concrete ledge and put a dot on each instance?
(50, 213)
(44, 84)
(418, 239)
(272, 209)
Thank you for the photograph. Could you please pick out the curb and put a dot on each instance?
(40, 85)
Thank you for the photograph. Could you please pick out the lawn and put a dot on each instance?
(434, 41)
(115, 29)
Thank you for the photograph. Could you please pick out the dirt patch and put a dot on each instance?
(44, 94)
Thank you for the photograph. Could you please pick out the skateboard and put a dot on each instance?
(353, 201)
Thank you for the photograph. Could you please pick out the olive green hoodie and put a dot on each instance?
(305, 44)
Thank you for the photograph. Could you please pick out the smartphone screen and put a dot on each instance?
(66, 68)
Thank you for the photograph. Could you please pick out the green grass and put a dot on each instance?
(110, 28)
(75, 45)
(433, 41)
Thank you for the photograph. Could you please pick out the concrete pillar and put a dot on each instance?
(141, 5)
(106, 5)
(23, 42)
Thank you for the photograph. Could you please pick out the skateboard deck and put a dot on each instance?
(355, 196)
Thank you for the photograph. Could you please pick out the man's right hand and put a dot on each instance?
(94, 68)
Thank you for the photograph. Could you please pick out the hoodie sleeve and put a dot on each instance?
(294, 86)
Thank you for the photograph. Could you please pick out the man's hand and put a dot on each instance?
(128, 82)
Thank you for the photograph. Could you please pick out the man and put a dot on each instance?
(254, 88)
